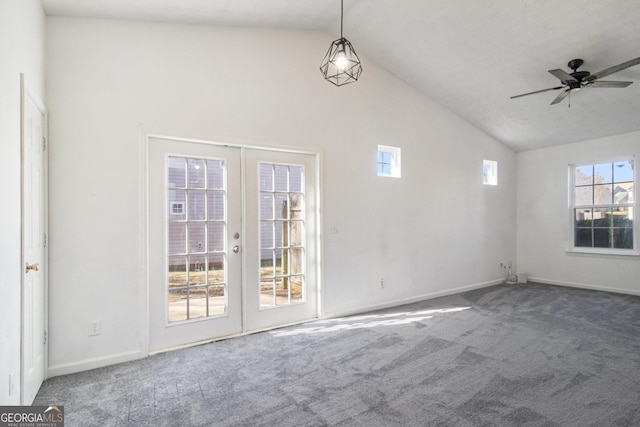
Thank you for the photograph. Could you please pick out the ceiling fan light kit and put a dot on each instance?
(341, 64)
(573, 82)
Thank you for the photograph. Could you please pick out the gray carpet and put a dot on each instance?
(507, 355)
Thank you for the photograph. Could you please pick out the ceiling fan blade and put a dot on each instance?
(537, 91)
(563, 76)
(560, 97)
(602, 83)
(613, 69)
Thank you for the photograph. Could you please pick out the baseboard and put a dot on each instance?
(411, 300)
(98, 362)
(583, 286)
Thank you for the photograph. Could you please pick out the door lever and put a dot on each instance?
(31, 267)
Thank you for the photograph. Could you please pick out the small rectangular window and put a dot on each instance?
(177, 208)
(389, 161)
(489, 172)
(603, 205)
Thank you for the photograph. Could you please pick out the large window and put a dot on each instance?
(603, 205)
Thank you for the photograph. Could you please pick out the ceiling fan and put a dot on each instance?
(577, 80)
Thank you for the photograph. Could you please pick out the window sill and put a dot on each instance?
(604, 252)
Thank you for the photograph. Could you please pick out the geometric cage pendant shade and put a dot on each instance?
(341, 64)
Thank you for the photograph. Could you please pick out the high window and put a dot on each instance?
(603, 205)
(388, 161)
(489, 172)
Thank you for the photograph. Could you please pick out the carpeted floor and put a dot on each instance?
(507, 355)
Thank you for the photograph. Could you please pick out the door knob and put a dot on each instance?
(236, 249)
(31, 267)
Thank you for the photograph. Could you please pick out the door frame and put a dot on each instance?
(24, 93)
(317, 154)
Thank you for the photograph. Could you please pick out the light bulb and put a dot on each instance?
(341, 61)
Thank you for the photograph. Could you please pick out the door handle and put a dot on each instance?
(31, 267)
(236, 249)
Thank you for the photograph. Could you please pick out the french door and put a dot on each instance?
(232, 244)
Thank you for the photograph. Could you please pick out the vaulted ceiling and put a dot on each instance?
(469, 56)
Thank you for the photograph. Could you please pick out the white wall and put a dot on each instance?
(544, 223)
(22, 26)
(435, 230)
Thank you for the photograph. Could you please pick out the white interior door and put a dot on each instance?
(33, 335)
(232, 244)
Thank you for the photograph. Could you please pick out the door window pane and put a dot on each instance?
(196, 238)
(281, 239)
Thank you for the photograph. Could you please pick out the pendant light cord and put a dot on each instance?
(341, 16)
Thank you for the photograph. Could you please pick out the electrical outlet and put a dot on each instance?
(95, 328)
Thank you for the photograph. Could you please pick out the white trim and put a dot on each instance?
(602, 252)
(143, 209)
(233, 144)
(410, 300)
(582, 286)
(98, 362)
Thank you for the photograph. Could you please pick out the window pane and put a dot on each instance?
(281, 177)
(217, 300)
(295, 179)
(177, 203)
(297, 286)
(216, 236)
(623, 238)
(622, 217)
(197, 205)
(267, 298)
(602, 217)
(178, 305)
(266, 235)
(215, 174)
(216, 269)
(197, 270)
(584, 237)
(197, 236)
(197, 302)
(266, 206)
(177, 236)
(196, 171)
(601, 237)
(282, 206)
(623, 171)
(177, 271)
(584, 175)
(583, 196)
(176, 172)
(603, 173)
(280, 227)
(583, 218)
(296, 261)
(215, 208)
(266, 177)
(603, 194)
(267, 268)
(623, 193)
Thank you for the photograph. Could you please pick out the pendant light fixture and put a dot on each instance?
(341, 65)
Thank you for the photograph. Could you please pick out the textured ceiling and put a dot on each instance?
(469, 56)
